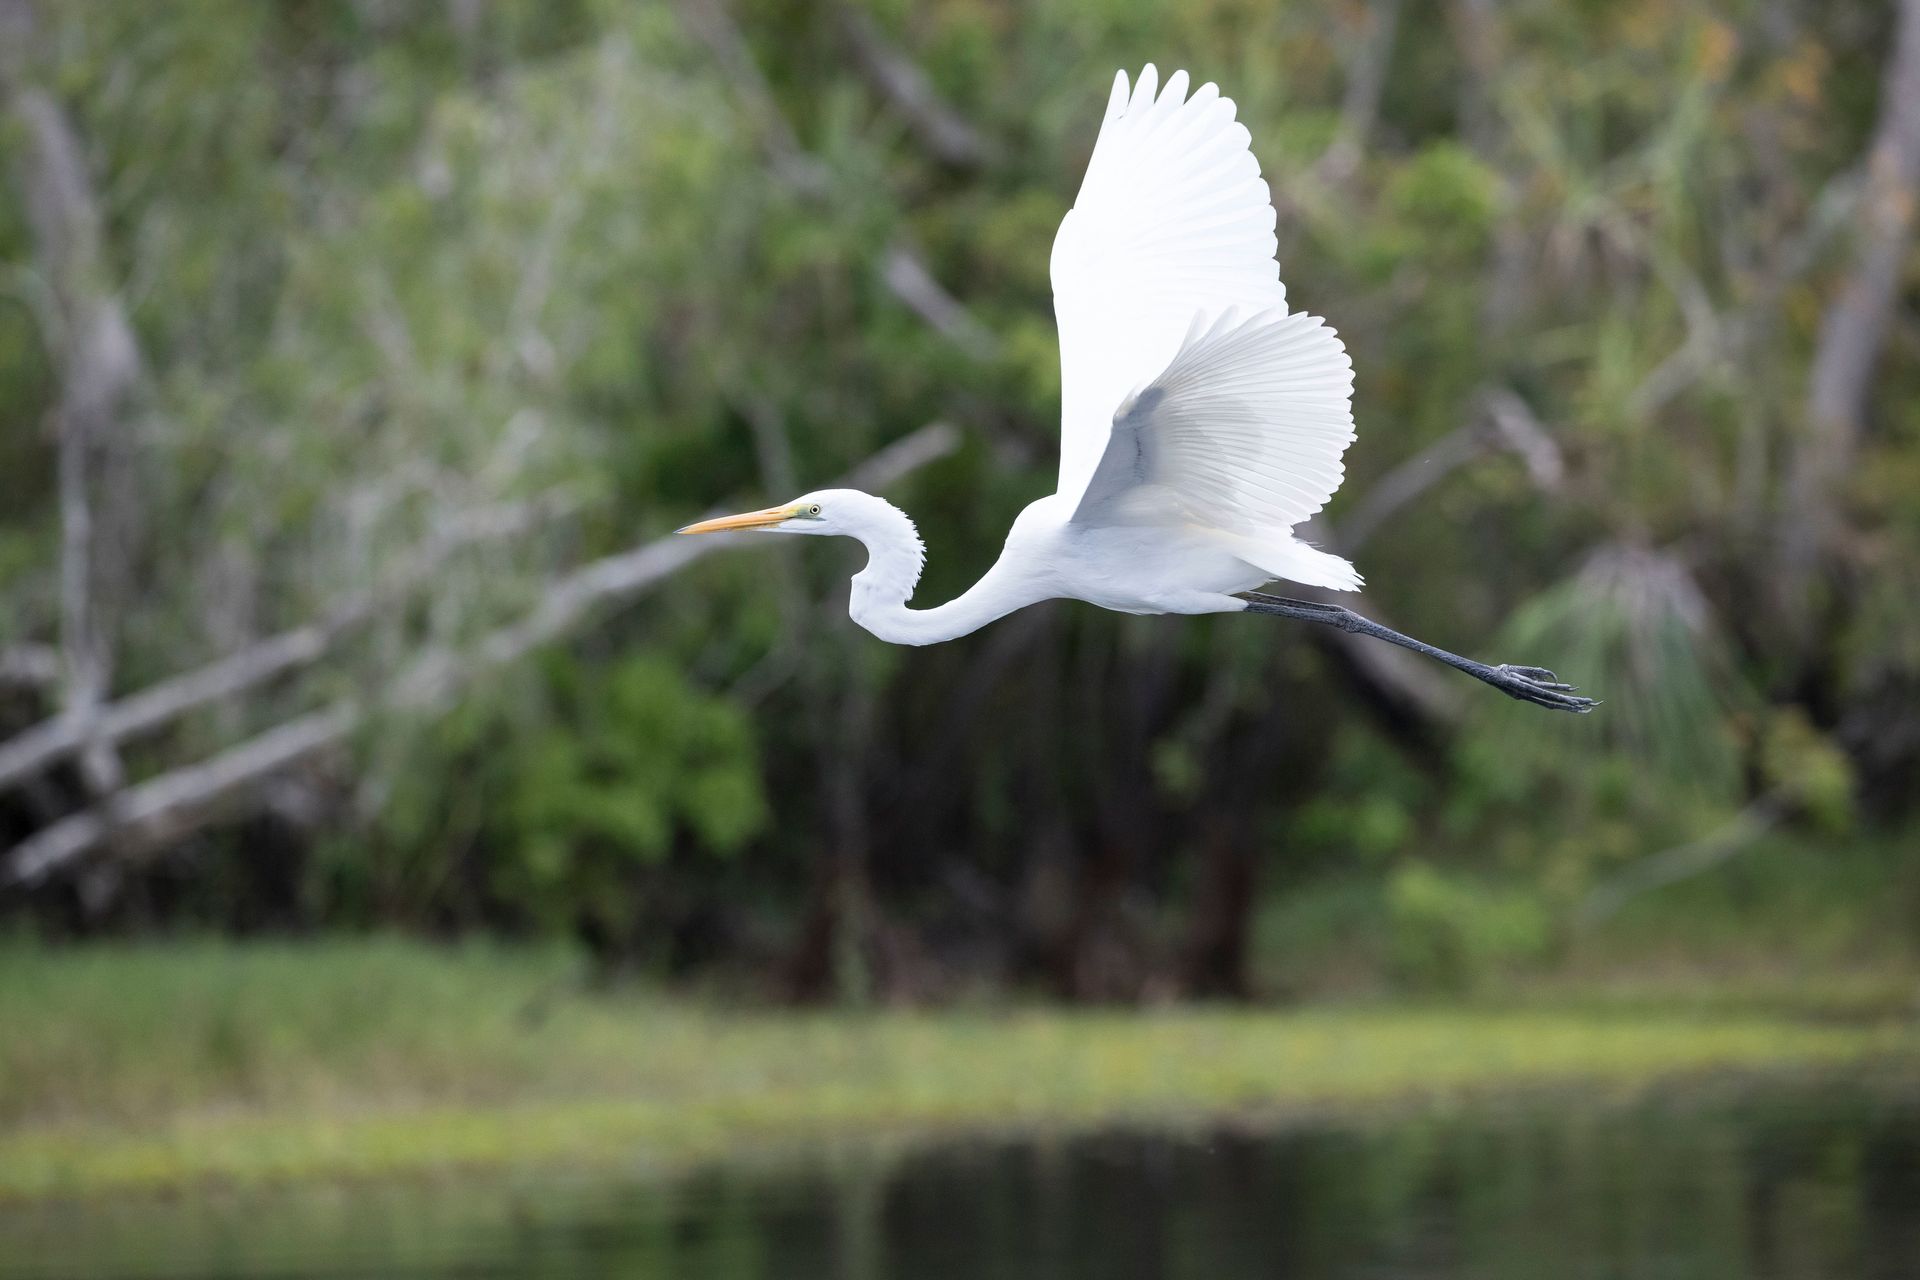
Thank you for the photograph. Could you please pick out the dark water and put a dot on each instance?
(1726, 1182)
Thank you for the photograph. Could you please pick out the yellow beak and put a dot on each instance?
(749, 520)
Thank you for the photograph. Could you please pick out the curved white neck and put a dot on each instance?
(895, 555)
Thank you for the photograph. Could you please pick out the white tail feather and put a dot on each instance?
(1295, 561)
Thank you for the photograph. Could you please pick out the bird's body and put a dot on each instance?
(1201, 421)
(1129, 569)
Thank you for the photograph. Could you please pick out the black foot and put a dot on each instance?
(1538, 686)
(1529, 684)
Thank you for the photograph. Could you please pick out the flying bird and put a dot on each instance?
(1201, 421)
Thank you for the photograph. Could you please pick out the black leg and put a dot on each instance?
(1529, 684)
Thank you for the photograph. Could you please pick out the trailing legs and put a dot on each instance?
(1529, 684)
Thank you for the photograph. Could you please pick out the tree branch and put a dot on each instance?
(29, 666)
(902, 270)
(180, 800)
(48, 742)
(1408, 481)
(1854, 328)
(1502, 419)
(710, 21)
(1682, 862)
(173, 803)
(99, 368)
(935, 125)
(906, 275)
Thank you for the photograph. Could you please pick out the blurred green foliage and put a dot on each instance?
(561, 796)
(1448, 932)
(167, 1068)
(395, 267)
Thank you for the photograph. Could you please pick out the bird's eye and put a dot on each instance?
(814, 510)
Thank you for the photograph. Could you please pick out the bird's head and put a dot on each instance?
(830, 511)
(895, 553)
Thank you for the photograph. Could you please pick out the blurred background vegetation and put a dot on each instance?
(357, 355)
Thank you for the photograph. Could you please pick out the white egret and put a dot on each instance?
(1200, 420)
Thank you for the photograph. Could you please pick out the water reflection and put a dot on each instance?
(1721, 1183)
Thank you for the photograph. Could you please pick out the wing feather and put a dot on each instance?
(1242, 433)
(1172, 222)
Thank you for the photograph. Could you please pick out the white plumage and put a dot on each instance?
(1164, 278)
(1200, 423)
(1240, 435)
(1172, 225)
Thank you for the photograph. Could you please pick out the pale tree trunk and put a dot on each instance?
(1854, 330)
(248, 668)
(99, 367)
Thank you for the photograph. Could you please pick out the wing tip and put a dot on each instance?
(1145, 87)
(1149, 91)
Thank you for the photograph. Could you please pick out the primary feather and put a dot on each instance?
(1189, 396)
(1241, 435)
(1172, 222)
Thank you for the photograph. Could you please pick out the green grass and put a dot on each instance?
(1832, 919)
(152, 1068)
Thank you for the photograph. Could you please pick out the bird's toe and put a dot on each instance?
(1542, 688)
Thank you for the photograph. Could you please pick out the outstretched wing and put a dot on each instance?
(1241, 433)
(1172, 222)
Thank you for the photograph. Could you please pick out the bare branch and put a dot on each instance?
(29, 666)
(936, 126)
(1501, 420)
(1716, 340)
(1682, 862)
(1409, 480)
(83, 649)
(180, 800)
(902, 270)
(99, 368)
(149, 814)
(906, 274)
(1517, 429)
(34, 749)
(710, 21)
(1855, 325)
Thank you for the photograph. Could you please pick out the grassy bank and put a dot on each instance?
(162, 1067)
